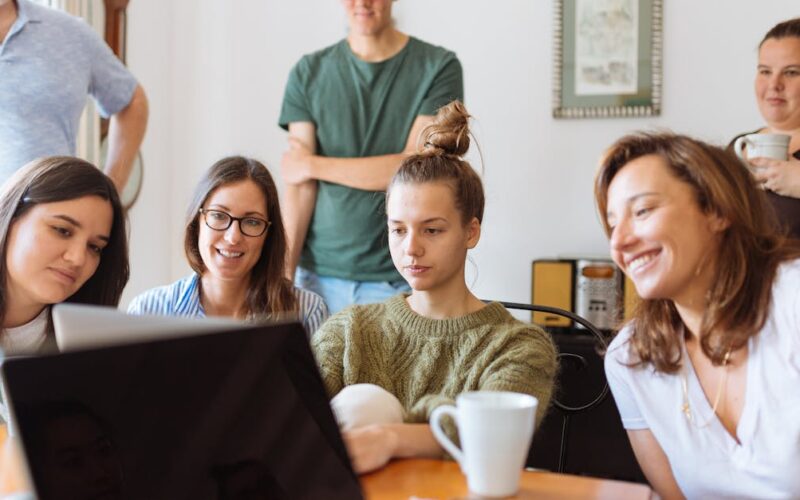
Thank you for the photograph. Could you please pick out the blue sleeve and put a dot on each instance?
(138, 305)
(110, 83)
(313, 310)
(156, 301)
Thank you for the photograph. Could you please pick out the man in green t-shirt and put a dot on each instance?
(354, 110)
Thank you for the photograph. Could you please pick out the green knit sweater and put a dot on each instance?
(427, 362)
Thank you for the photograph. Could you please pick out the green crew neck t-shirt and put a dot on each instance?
(362, 109)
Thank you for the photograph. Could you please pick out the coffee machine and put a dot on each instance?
(593, 288)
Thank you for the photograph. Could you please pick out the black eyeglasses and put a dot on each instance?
(221, 221)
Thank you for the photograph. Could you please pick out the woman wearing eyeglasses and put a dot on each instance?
(236, 245)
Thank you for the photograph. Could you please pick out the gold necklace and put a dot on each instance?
(687, 409)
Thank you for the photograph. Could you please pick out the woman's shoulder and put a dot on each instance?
(508, 330)
(364, 313)
(166, 299)
(523, 330)
(785, 307)
(354, 320)
(619, 348)
(788, 276)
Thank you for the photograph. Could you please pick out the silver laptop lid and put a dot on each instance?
(80, 326)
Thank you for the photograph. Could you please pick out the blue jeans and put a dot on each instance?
(339, 293)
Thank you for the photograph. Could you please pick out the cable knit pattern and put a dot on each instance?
(427, 362)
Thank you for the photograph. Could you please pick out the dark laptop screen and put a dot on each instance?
(239, 415)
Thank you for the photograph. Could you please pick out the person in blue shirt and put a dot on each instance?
(50, 62)
(235, 243)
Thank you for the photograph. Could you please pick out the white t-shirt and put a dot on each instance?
(706, 461)
(22, 340)
(27, 338)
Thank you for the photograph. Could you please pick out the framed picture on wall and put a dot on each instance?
(607, 58)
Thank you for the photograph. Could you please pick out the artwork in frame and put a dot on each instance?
(607, 58)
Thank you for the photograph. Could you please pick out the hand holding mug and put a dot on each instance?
(781, 177)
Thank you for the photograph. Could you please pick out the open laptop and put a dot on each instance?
(236, 414)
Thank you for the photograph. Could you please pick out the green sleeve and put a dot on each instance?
(295, 107)
(328, 347)
(527, 364)
(447, 86)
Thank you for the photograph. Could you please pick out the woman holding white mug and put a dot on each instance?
(777, 88)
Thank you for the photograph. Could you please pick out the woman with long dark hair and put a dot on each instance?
(62, 239)
(236, 244)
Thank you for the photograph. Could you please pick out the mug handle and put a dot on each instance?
(439, 434)
(738, 148)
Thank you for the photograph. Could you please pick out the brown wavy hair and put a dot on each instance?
(785, 29)
(748, 256)
(445, 142)
(269, 292)
(64, 178)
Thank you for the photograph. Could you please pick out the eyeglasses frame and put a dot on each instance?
(232, 219)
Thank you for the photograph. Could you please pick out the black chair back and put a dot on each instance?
(582, 433)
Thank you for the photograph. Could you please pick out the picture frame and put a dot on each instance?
(607, 58)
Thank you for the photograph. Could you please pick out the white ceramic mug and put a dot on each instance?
(495, 429)
(774, 146)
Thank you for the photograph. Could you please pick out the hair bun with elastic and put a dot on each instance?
(449, 132)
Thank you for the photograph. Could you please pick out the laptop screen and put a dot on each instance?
(240, 414)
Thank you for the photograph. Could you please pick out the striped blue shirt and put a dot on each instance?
(182, 298)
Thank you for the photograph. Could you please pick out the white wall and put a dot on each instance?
(215, 72)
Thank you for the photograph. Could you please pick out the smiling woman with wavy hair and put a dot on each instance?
(236, 245)
(707, 370)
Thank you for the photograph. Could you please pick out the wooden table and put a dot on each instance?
(442, 480)
(12, 479)
(404, 479)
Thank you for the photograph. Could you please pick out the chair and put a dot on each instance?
(582, 433)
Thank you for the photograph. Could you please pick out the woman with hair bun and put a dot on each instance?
(389, 365)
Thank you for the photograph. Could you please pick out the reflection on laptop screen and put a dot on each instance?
(239, 414)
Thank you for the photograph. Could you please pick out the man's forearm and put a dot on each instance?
(298, 207)
(125, 134)
(371, 173)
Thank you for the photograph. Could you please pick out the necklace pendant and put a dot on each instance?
(687, 411)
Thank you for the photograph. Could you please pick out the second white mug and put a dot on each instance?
(495, 430)
(774, 146)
